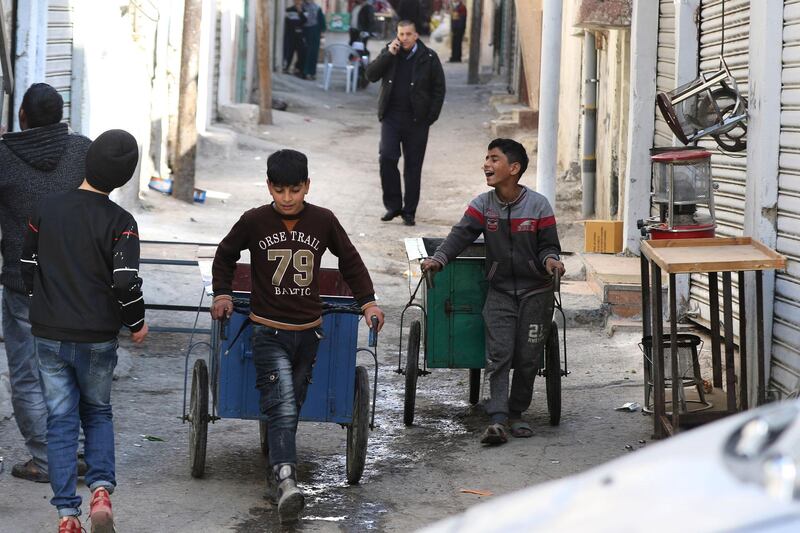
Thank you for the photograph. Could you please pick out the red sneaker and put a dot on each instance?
(70, 524)
(100, 512)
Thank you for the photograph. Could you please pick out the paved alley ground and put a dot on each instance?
(414, 476)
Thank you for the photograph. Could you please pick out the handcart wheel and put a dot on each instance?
(474, 385)
(412, 365)
(553, 375)
(262, 436)
(358, 430)
(198, 416)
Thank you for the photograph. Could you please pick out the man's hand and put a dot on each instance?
(431, 265)
(221, 309)
(394, 47)
(552, 264)
(138, 336)
(371, 311)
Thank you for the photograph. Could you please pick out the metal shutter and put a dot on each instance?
(58, 62)
(728, 170)
(665, 66)
(785, 366)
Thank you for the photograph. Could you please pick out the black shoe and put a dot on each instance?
(408, 220)
(83, 468)
(30, 471)
(389, 215)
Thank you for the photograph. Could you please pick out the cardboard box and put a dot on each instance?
(603, 236)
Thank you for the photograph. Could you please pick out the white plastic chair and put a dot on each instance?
(338, 56)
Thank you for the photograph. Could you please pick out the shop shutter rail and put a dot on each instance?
(58, 64)
(785, 363)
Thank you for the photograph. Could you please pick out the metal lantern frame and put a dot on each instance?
(718, 87)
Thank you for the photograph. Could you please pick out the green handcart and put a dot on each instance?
(451, 331)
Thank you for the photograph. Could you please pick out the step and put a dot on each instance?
(582, 307)
(616, 280)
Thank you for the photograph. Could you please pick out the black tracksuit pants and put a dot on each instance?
(401, 135)
(456, 39)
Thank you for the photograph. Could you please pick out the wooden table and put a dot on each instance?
(711, 256)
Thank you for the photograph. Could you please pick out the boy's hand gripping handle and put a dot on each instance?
(373, 332)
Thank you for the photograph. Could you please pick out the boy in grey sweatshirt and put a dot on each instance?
(522, 254)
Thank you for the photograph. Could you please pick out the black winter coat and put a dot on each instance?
(427, 85)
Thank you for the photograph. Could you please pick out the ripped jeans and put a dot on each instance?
(284, 360)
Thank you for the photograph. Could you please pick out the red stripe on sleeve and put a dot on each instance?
(135, 235)
(474, 213)
(546, 222)
(34, 228)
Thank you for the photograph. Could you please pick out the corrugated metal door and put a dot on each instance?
(665, 66)
(729, 170)
(785, 367)
(58, 63)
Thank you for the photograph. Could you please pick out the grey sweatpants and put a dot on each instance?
(516, 333)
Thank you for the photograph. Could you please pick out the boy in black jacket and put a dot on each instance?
(80, 263)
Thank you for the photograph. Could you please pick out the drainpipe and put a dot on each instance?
(589, 134)
(547, 155)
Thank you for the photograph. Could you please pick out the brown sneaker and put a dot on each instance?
(70, 524)
(100, 512)
(30, 471)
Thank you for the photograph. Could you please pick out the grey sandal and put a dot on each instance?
(495, 434)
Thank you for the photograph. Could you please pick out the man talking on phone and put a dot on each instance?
(411, 98)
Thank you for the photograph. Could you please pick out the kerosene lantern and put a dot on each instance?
(711, 104)
(682, 183)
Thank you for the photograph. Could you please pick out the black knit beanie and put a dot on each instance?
(111, 160)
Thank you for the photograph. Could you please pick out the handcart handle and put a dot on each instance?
(333, 308)
(223, 331)
(429, 278)
(373, 332)
(556, 280)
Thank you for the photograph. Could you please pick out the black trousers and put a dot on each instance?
(455, 44)
(401, 135)
(294, 45)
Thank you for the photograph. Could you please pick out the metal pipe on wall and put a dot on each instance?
(547, 155)
(589, 134)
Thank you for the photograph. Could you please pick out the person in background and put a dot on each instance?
(42, 159)
(293, 41)
(312, 33)
(458, 24)
(80, 264)
(362, 20)
(411, 98)
(412, 11)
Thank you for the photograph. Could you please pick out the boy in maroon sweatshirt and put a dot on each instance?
(287, 239)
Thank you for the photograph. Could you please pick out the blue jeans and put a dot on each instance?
(284, 361)
(76, 381)
(30, 410)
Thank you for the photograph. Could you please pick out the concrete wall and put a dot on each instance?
(529, 29)
(613, 69)
(122, 77)
(569, 102)
(487, 33)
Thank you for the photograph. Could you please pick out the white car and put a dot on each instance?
(737, 474)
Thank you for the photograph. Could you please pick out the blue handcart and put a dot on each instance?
(339, 391)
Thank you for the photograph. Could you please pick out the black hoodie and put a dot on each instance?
(34, 163)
